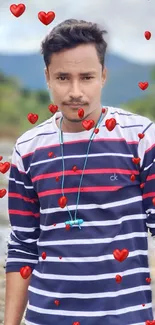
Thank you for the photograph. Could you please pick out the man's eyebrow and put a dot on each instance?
(67, 74)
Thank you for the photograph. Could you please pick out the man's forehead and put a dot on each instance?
(83, 72)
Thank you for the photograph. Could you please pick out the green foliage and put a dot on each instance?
(16, 103)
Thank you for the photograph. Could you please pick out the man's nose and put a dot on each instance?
(75, 90)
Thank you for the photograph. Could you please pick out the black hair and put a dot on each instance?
(71, 33)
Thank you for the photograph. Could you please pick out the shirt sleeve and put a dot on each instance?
(24, 217)
(146, 151)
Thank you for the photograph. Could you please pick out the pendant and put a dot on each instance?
(74, 222)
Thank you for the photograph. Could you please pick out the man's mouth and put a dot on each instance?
(76, 105)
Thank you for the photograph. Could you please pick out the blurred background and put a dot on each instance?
(130, 59)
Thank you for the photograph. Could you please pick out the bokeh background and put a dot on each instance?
(130, 59)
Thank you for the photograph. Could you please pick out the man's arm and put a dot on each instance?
(146, 150)
(24, 216)
(15, 298)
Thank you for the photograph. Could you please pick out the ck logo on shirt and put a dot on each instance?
(114, 177)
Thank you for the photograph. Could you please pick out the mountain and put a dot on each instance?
(122, 80)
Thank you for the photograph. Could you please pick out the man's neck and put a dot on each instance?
(74, 127)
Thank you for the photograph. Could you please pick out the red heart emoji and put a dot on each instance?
(88, 124)
(120, 255)
(68, 227)
(1, 157)
(60, 257)
(118, 278)
(141, 135)
(143, 305)
(143, 85)
(43, 255)
(17, 10)
(2, 192)
(103, 110)
(62, 201)
(57, 302)
(150, 322)
(80, 112)
(147, 35)
(133, 177)
(46, 18)
(25, 271)
(53, 108)
(148, 280)
(4, 167)
(96, 131)
(110, 124)
(32, 118)
(142, 185)
(50, 154)
(136, 160)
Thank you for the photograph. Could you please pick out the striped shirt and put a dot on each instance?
(81, 281)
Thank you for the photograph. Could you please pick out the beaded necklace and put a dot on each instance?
(76, 221)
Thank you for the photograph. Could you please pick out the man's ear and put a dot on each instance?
(104, 76)
(46, 76)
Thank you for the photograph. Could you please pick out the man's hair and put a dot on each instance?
(71, 33)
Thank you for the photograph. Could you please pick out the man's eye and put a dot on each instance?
(84, 78)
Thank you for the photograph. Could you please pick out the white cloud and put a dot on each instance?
(125, 20)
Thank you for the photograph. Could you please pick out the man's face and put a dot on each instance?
(75, 76)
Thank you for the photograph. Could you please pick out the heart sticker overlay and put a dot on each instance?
(33, 118)
(62, 201)
(81, 112)
(88, 124)
(43, 255)
(96, 131)
(25, 271)
(136, 161)
(118, 278)
(141, 135)
(74, 168)
(150, 322)
(68, 227)
(2, 193)
(4, 167)
(17, 10)
(57, 302)
(132, 177)
(147, 35)
(50, 154)
(46, 18)
(120, 255)
(110, 124)
(53, 108)
(143, 85)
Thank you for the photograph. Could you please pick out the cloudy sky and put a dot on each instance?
(125, 20)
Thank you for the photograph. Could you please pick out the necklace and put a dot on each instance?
(76, 221)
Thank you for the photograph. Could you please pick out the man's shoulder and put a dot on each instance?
(129, 117)
(32, 136)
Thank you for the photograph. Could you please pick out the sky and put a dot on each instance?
(125, 20)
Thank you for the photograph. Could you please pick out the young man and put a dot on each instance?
(81, 198)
